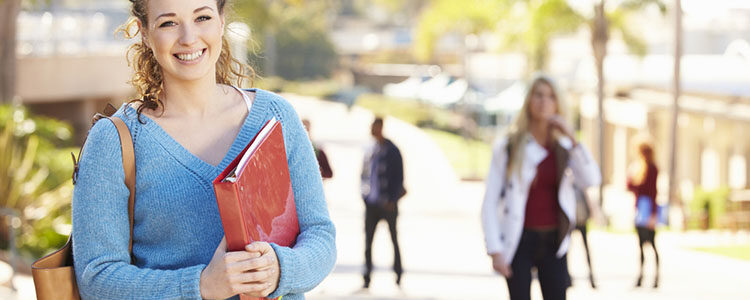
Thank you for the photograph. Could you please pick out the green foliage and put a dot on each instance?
(716, 202)
(527, 26)
(304, 50)
(449, 16)
(35, 178)
(531, 25)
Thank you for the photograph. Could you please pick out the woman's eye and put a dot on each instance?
(167, 24)
(203, 18)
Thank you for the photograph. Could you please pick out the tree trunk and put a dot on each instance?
(599, 37)
(8, 14)
(673, 199)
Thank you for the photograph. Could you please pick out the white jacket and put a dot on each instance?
(503, 217)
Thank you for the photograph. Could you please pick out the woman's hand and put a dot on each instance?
(232, 273)
(559, 123)
(266, 269)
(498, 263)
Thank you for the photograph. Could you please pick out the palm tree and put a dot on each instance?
(442, 17)
(601, 24)
(531, 24)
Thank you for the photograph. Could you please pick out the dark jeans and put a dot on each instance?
(373, 215)
(537, 249)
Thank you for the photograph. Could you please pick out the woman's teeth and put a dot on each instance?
(192, 56)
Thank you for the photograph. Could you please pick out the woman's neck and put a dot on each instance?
(190, 98)
(540, 131)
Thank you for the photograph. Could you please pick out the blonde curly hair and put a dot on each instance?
(147, 76)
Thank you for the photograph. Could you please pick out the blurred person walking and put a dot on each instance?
(642, 182)
(528, 210)
(584, 210)
(382, 187)
(325, 168)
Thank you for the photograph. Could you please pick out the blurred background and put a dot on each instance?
(449, 76)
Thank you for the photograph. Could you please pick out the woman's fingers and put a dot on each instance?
(254, 263)
(258, 276)
(234, 257)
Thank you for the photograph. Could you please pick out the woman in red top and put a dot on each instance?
(643, 184)
(529, 205)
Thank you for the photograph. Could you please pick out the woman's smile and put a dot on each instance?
(189, 58)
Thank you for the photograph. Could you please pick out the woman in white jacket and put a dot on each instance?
(529, 204)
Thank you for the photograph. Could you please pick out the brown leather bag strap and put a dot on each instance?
(128, 165)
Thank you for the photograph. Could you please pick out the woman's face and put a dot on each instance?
(543, 103)
(185, 37)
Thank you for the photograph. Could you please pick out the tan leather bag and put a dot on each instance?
(54, 277)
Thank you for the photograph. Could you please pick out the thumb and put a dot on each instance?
(222, 247)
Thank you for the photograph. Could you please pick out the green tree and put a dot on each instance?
(290, 32)
(35, 178)
(531, 25)
(304, 49)
(442, 17)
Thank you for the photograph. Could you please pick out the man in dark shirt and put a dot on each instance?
(382, 187)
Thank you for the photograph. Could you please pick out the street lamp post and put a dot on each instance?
(673, 199)
(599, 38)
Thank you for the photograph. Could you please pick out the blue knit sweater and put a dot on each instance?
(177, 224)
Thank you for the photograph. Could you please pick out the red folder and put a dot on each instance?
(255, 200)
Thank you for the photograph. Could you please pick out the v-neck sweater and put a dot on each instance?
(177, 224)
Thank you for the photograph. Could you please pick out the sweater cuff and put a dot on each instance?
(190, 282)
(286, 267)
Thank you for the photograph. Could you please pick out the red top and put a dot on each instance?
(542, 207)
(647, 187)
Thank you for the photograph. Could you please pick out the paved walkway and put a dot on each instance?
(441, 237)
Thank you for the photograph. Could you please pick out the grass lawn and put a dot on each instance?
(735, 251)
(470, 160)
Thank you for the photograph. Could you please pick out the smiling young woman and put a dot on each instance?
(188, 123)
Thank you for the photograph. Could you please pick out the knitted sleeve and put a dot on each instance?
(101, 231)
(309, 261)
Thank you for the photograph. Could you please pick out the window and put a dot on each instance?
(737, 172)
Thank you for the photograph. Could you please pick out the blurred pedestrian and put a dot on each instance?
(642, 182)
(325, 167)
(584, 211)
(529, 205)
(382, 187)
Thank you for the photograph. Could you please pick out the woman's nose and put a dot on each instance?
(188, 35)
